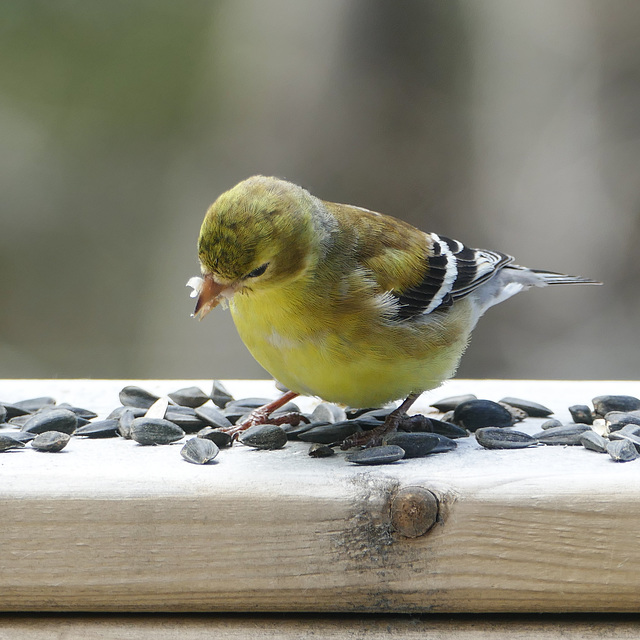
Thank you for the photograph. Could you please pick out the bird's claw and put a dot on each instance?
(374, 437)
(363, 439)
(260, 416)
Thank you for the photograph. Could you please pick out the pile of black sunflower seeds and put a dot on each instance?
(611, 425)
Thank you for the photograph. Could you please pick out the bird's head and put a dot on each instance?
(257, 235)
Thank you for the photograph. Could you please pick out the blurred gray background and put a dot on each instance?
(508, 124)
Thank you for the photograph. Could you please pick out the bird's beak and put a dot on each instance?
(210, 293)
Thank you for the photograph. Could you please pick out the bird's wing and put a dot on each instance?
(419, 272)
(452, 272)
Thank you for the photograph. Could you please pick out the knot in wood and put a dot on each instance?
(414, 511)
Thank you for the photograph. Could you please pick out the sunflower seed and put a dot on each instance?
(54, 420)
(366, 423)
(604, 404)
(354, 412)
(616, 420)
(317, 450)
(264, 436)
(633, 429)
(625, 435)
(440, 427)
(327, 412)
(176, 408)
(622, 451)
(158, 409)
(500, 438)
(190, 423)
(330, 433)
(532, 409)
(8, 441)
(150, 431)
(448, 416)
(19, 421)
(236, 416)
(375, 414)
(238, 419)
(13, 411)
(99, 429)
(87, 414)
(35, 404)
(51, 441)
(599, 426)
(414, 445)
(132, 396)
(213, 417)
(247, 404)
(581, 414)
(475, 414)
(449, 404)
(189, 397)
(593, 441)
(550, 424)
(220, 438)
(518, 415)
(137, 412)
(294, 431)
(3, 414)
(568, 434)
(21, 436)
(219, 394)
(125, 420)
(448, 429)
(199, 450)
(289, 407)
(445, 444)
(377, 455)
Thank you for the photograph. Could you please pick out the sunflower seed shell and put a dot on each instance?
(54, 420)
(377, 455)
(622, 451)
(500, 438)
(50, 441)
(152, 431)
(199, 451)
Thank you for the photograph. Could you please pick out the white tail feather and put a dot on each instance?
(512, 279)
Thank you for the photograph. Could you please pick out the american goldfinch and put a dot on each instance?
(343, 303)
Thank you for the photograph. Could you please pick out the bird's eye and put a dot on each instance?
(257, 272)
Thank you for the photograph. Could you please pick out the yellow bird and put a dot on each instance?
(343, 303)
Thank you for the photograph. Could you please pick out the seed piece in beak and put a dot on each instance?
(209, 293)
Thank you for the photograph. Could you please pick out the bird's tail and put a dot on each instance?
(540, 278)
(512, 279)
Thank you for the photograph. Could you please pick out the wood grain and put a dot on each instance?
(327, 627)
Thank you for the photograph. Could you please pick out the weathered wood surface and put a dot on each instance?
(325, 627)
(113, 526)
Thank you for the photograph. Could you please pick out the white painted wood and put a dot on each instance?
(109, 525)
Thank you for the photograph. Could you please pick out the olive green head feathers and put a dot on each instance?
(261, 227)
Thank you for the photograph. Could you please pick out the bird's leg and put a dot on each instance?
(374, 437)
(261, 415)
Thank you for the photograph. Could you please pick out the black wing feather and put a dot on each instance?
(454, 271)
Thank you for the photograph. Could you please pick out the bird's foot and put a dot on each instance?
(262, 415)
(258, 417)
(374, 437)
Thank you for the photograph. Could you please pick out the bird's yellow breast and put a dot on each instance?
(353, 357)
